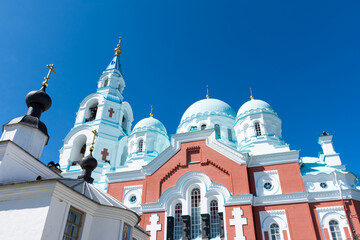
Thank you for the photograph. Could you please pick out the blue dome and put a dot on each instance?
(207, 107)
(254, 105)
(149, 123)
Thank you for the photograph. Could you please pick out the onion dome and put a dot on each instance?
(39, 98)
(88, 162)
(149, 123)
(207, 107)
(254, 106)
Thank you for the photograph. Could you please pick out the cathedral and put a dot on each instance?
(222, 175)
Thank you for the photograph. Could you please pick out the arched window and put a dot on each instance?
(106, 82)
(275, 232)
(82, 153)
(178, 222)
(78, 150)
(203, 126)
(124, 123)
(91, 112)
(230, 134)
(217, 130)
(214, 220)
(119, 87)
(257, 129)
(195, 214)
(335, 230)
(140, 145)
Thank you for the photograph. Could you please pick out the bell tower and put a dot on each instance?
(107, 113)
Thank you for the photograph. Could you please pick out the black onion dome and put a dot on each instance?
(39, 97)
(89, 162)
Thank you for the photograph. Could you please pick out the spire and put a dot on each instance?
(251, 95)
(151, 113)
(207, 92)
(88, 163)
(115, 62)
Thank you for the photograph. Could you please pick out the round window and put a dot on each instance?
(267, 185)
(323, 185)
(132, 199)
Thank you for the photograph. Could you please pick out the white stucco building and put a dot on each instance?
(36, 202)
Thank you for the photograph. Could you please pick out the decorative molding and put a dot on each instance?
(209, 162)
(274, 158)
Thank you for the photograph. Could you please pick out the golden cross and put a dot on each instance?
(207, 92)
(151, 113)
(117, 49)
(251, 96)
(47, 78)
(93, 141)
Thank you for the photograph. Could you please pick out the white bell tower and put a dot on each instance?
(107, 113)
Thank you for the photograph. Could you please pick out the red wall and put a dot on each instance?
(289, 176)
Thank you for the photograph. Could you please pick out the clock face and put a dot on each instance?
(267, 185)
(132, 199)
(323, 185)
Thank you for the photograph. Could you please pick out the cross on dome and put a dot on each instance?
(117, 49)
(207, 92)
(251, 95)
(151, 113)
(47, 78)
(93, 141)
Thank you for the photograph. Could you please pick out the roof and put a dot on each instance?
(91, 192)
(148, 124)
(254, 105)
(205, 107)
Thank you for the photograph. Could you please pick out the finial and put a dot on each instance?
(117, 49)
(251, 95)
(207, 92)
(151, 113)
(93, 141)
(47, 78)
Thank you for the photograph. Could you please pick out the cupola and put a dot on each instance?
(147, 140)
(257, 125)
(209, 113)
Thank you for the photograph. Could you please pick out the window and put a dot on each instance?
(203, 126)
(230, 135)
(195, 214)
(268, 185)
(275, 232)
(106, 82)
(178, 222)
(92, 114)
(140, 145)
(73, 225)
(217, 130)
(335, 230)
(214, 220)
(124, 123)
(323, 185)
(257, 129)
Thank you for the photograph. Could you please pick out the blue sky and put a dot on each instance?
(301, 57)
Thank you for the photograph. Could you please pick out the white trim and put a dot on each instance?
(274, 158)
(326, 214)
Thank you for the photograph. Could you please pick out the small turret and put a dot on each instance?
(88, 163)
(28, 131)
(331, 158)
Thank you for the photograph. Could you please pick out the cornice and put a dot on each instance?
(274, 158)
(17, 154)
